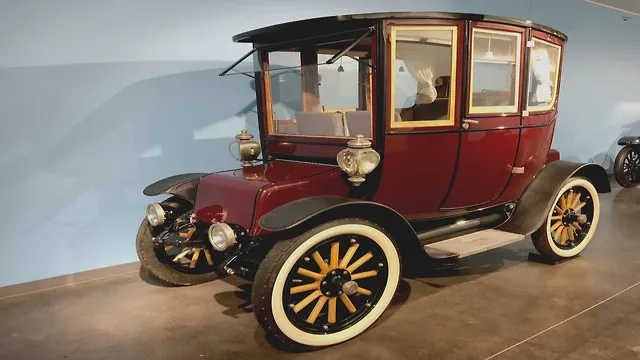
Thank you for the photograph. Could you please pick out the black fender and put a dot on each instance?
(629, 140)
(183, 186)
(300, 215)
(537, 200)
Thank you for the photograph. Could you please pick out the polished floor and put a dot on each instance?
(497, 305)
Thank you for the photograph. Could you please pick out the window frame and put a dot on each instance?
(453, 91)
(497, 110)
(554, 97)
(270, 128)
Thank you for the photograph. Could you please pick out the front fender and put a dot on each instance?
(536, 202)
(300, 215)
(629, 140)
(184, 186)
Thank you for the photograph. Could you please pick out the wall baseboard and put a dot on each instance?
(67, 280)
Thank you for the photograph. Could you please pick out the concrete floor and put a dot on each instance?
(496, 305)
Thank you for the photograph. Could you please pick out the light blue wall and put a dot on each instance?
(100, 98)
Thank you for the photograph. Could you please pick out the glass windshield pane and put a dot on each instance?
(424, 76)
(311, 98)
(543, 75)
(495, 71)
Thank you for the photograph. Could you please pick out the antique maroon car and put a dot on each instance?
(389, 142)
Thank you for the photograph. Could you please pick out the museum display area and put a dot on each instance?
(446, 180)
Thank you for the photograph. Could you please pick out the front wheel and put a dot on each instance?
(328, 285)
(571, 222)
(627, 167)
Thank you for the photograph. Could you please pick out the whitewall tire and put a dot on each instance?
(572, 221)
(348, 294)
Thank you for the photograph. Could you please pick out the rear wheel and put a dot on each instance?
(627, 167)
(185, 258)
(328, 285)
(572, 221)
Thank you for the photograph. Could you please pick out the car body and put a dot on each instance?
(436, 129)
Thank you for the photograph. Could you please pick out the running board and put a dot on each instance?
(471, 244)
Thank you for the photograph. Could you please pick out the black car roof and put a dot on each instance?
(346, 23)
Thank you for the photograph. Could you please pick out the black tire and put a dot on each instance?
(620, 175)
(271, 266)
(147, 253)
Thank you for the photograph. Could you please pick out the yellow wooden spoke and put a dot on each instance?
(576, 225)
(364, 291)
(557, 217)
(310, 274)
(570, 232)
(558, 209)
(576, 201)
(194, 258)
(580, 206)
(563, 235)
(347, 257)
(324, 268)
(364, 275)
(556, 225)
(335, 255)
(306, 301)
(181, 255)
(331, 315)
(169, 248)
(570, 199)
(353, 267)
(347, 302)
(563, 203)
(316, 309)
(207, 254)
(303, 288)
(557, 233)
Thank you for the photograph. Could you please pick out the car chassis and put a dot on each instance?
(440, 149)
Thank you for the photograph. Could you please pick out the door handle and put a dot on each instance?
(466, 122)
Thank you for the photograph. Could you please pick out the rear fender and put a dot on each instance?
(629, 140)
(298, 216)
(536, 202)
(183, 186)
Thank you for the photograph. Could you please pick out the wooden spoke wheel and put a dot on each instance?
(185, 258)
(627, 167)
(328, 285)
(571, 223)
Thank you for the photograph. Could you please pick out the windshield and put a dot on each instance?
(308, 97)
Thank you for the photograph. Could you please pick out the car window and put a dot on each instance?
(309, 97)
(543, 75)
(423, 75)
(495, 71)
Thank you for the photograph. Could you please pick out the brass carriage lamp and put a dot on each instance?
(248, 148)
(358, 159)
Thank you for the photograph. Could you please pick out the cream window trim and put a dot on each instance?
(453, 82)
(542, 108)
(507, 109)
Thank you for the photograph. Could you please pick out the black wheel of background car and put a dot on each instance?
(327, 285)
(177, 262)
(627, 167)
(572, 221)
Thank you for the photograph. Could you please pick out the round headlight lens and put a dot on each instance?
(221, 236)
(155, 214)
(369, 160)
(348, 161)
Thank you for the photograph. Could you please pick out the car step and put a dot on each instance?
(470, 244)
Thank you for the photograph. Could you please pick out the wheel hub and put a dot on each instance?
(337, 282)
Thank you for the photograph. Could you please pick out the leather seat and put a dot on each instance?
(320, 124)
(359, 123)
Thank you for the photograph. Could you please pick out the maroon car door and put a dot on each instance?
(490, 130)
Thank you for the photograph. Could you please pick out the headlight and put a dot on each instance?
(221, 236)
(155, 214)
(358, 159)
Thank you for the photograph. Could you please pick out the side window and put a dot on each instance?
(495, 71)
(423, 75)
(543, 75)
